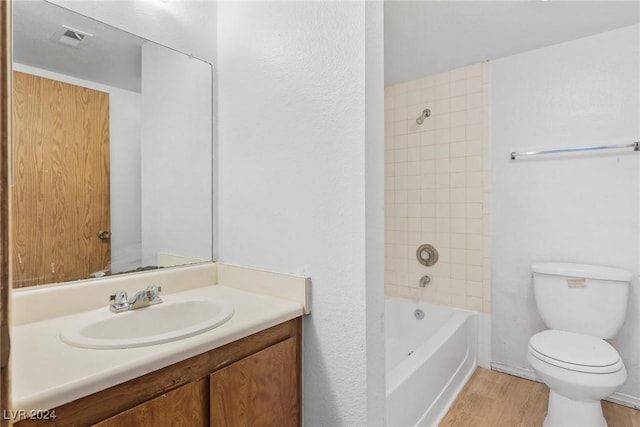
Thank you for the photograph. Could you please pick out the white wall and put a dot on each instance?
(374, 211)
(295, 185)
(582, 208)
(124, 134)
(176, 155)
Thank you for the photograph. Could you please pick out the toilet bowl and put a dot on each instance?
(582, 305)
(580, 370)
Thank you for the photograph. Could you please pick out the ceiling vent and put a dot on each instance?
(73, 37)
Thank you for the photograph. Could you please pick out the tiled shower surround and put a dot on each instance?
(437, 185)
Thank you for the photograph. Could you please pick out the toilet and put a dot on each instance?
(582, 305)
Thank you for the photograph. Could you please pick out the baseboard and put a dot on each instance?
(625, 400)
(617, 397)
(518, 372)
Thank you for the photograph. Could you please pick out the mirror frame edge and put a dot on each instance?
(6, 60)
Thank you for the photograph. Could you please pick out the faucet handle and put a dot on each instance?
(119, 298)
(119, 302)
(153, 293)
(154, 290)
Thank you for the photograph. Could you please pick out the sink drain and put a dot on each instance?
(418, 314)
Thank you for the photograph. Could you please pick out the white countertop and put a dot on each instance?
(46, 373)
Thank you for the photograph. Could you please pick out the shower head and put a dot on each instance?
(425, 113)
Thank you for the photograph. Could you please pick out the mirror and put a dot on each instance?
(112, 152)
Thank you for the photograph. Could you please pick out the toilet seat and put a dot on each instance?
(576, 352)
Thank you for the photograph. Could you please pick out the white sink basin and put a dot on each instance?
(173, 319)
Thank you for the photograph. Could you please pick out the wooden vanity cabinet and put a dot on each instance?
(252, 382)
(259, 390)
(186, 406)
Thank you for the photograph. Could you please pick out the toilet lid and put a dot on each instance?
(575, 351)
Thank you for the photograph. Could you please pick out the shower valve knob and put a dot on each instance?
(427, 255)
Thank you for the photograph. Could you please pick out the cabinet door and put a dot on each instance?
(260, 390)
(186, 406)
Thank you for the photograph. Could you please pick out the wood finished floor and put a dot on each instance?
(494, 399)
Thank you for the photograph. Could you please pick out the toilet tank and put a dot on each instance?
(581, 298)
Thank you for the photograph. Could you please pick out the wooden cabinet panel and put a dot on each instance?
(186, 406)
(260, 390)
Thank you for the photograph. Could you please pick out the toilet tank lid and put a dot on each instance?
(586, 271)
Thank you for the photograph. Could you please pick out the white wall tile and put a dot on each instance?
(413, 98)
(413, 140)
(458, 164)
(458, 103)
(458, 241)
(443, 136)
(475, 242)
(458, 88)
(457, 133)
(428, 180)
(473, 100)
(442, 91)
(474, 210)
(458, 118)
(427, 95)
(474, 132)
(458, 210)
(458, 74)
(458, 195)
(442, 121)
(443, 225)
(458, 180)
(437, 187)
(475, 273)
(474, 84)
(475, 70)
(442, 78)
(458, 225)
(474, 163)
(474, 226)
(442, 180)
(427, 152)
(474, 116)
(443, 166)
(473, 148)
(458, 149)
(442, 106)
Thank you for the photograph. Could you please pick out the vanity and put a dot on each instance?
(245, 371)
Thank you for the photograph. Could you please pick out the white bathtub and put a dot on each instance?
(428, 361)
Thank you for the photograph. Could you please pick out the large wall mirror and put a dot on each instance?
(112, 150)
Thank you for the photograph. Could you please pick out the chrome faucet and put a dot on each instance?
(149, 296)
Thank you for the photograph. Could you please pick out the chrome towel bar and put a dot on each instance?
(634, 145)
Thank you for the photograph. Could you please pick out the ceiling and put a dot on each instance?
(427, 37)
(421, 37)
(110, 56)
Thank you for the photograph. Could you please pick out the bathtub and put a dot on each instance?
(428, 360)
